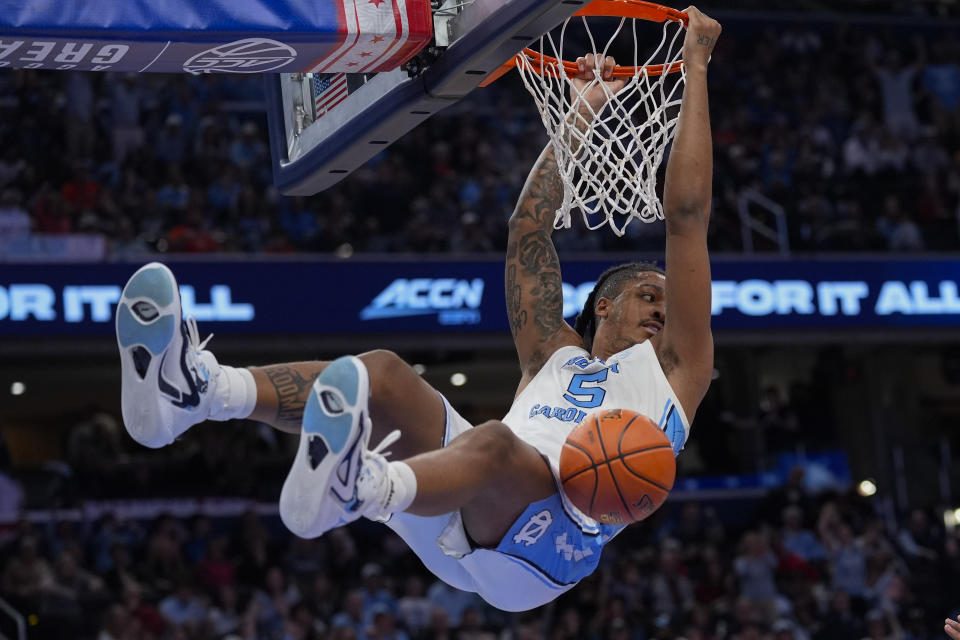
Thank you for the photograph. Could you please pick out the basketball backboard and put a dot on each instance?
(313, 149)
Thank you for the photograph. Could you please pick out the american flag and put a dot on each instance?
(328, 92)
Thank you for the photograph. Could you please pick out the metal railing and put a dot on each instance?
(14, 615)
(750, 225)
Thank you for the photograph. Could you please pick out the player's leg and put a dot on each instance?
(170, 382)
(399, 399)
(488, 473)
(336, 477)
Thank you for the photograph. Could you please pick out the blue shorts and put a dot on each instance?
(545, 553)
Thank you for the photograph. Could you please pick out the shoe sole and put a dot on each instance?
(321, 484)
(148, 317)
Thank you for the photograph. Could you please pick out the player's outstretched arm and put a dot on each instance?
(686, 343)
(534, 289)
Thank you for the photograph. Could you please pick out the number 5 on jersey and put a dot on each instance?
(586, 397)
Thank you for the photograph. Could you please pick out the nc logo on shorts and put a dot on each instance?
(536, 526)
(253, 55)
(568, 551)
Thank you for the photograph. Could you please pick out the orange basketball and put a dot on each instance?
(617, 466)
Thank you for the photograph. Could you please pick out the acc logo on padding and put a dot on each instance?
(253, 55)
(454, 301)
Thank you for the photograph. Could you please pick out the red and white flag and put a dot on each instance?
(328, 92)
(377, 35)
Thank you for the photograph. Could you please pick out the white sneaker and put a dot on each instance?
(335, 479)
(168, 378)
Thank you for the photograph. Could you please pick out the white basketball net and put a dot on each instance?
(609, 163)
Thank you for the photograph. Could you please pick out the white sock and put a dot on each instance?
(236, 394)
(403, 485)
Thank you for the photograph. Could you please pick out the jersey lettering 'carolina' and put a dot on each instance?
(564, 414)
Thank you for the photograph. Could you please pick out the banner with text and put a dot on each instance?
(215, 36)
(416, 296)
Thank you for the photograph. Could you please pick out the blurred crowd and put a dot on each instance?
(806, 568)
(853, 129)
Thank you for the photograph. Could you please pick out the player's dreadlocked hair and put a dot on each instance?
(609, 285)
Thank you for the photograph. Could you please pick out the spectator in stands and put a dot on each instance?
(793, 492)
(848, 563)
(305, 558)
(716, 583)
(76, 583)
(840, 622)
(918, 539)
(164, 564)
(125, 106)
(754, 568)
(897, 228)
(215, 569)
(896, 88)
(28, 575)
(80, 132)
(201, 532)
(80, 193)
(274, 601)
(227, 613)
(146, 615)
(248, 150)
(322, 598)
(117, 625)
(670, 589)
(14, 219)
(413, 608)
(383, 626)
(353, 614)
(171, 143)
(798, 539)
(183, 608)
(884, 586)
(882, 625)
(374, 589)
(11, 166)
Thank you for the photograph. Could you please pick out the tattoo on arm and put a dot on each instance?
(538, 258)
(542, 193)
(515, 311)
(705, 40)
(292, 392)
(548, 309)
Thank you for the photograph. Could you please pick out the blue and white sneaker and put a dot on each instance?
(168, 378)
(335, 478)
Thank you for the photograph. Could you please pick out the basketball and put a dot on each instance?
(617, 466)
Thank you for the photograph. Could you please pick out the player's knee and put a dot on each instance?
(496, 443)
(385, 369)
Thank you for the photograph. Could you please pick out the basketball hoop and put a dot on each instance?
(608, 162)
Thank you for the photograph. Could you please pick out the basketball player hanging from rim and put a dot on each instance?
(480, 505)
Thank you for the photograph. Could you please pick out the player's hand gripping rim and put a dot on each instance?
(700, 39)
(594, 84)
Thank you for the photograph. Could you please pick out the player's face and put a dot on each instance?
(638, 313)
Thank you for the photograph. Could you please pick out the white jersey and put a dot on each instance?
(552, 545)
(572, 384)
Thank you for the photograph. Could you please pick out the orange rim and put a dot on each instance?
(633, 9)
(612, 8)
(548, 64)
